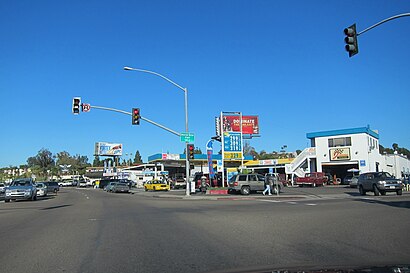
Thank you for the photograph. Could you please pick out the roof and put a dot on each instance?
(196, 157)
(360, 130)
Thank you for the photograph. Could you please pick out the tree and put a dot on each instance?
(137, 158)
(78, 162)
(43, 161)
(97, 162)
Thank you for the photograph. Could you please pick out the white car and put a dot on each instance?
(41, 189)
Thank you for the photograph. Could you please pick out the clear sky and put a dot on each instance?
(282, 60)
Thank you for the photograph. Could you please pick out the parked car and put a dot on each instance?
(66, 183)
(52, 186)
(312, 179)
(347, 179)
(128, 182)
(103, 183)
(379, 183)
(179, 181)
(23, 188)
(41, 189)
(110, 186)
(2, 191)
(246, 183)
(156, 185)
(353, 182)
(120, 187)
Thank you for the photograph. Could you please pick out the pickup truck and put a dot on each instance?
(312, 179)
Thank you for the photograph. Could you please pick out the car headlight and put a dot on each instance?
(381, 182)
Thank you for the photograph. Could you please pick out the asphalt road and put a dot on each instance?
(88, 230)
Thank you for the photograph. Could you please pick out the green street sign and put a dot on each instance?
(187, 137)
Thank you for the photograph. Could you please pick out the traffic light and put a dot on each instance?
(136, 116)
(76, 105)
(190, 148)
(351, 40)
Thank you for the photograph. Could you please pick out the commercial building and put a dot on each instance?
(339, 152)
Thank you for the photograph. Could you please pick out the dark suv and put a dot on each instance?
(379, 183)
(52, 186)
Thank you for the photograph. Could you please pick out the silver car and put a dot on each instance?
(23, 188)
(379, 183)
(41, 189)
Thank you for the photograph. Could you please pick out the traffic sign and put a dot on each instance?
(187, 137)
(86, 107)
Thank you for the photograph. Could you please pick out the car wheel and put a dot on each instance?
(362, 191)
(383, 192)
(399, 192)
(146, 189)
(6, 200)
(245, 190)
(376, 191)
(34, 198)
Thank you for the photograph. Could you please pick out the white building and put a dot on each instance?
(397, 164)
(339, 151)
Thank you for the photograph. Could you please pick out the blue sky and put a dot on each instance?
(281, 60)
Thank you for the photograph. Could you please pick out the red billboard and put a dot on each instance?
(250, 124)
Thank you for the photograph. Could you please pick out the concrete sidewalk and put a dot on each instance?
(288, 194)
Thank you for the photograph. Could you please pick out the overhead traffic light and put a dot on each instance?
(351, 40)
(136, 116)
(76, 105)
(190, 149)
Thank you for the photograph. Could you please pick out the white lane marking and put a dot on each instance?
(311, 204)
(293, 203)
(271, 201)
(88, 197)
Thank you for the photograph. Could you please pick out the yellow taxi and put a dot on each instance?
(156, 185)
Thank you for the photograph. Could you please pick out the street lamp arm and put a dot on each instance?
(383, 21)
(157, 74)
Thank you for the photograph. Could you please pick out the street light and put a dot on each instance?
(186, 114)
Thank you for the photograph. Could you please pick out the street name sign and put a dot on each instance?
(187, 137)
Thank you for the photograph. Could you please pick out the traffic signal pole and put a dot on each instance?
(351, 34)
(383, 21)
(142, 118)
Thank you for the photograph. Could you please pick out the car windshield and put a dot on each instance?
(383, 175)
(20, 183)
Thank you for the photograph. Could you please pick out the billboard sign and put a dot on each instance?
(339, 154)
(108, 149)
(250, 124)
(170, 156)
